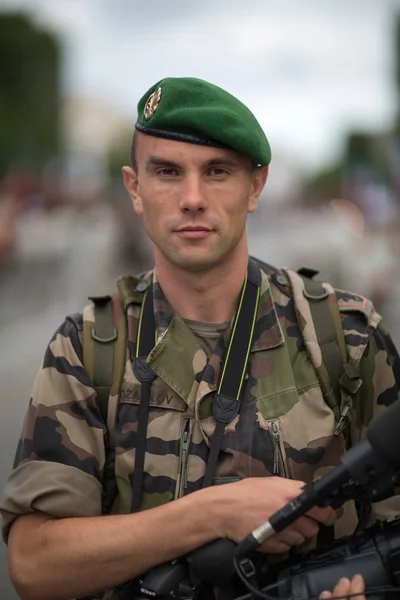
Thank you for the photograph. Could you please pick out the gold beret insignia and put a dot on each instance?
(152, 104)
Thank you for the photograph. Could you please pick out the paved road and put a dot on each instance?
(17, 369)
(60, 263)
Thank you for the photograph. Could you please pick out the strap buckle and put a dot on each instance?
(316, 297)
(247, 568)
(107, 340)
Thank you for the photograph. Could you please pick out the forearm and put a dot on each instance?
(69, 558)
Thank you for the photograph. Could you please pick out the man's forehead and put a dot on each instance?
(150, 146)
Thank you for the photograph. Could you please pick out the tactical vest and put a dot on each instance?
(335, 372)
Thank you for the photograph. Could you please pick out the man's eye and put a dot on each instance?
(167, 172)
(217, 172)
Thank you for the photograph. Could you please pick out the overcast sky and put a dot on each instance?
(308, 69)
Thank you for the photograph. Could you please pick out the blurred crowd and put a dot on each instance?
(59, 241)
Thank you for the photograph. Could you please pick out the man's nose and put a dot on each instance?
(193, 195)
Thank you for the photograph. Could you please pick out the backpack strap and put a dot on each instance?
(104, 348)
(319, 319)
(330, 338)
(103, 336)
(318, 308)
(104, 358)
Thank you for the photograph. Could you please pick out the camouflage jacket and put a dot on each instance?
(284, 426)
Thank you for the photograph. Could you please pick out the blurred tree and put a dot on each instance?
(323, 186)
(358, 148)
(370, 161)
(118, 155)
(29, 92)
(397, 69)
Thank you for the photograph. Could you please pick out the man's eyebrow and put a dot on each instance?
(159, 161)
(222, 160)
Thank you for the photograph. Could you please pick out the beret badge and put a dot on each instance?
(152, 104)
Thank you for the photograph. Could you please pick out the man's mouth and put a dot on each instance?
(194, 232)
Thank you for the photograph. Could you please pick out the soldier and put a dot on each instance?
(222, 379)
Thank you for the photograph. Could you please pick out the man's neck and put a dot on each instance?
(210, 296)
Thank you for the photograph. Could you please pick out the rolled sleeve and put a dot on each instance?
(52, 488)
(59, 462)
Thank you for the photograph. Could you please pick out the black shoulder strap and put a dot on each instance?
(226, 401)
(145, 343)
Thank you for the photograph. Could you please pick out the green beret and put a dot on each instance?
(192, 110)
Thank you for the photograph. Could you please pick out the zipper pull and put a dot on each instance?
(275, 433)
(185, 446)
(345, 417)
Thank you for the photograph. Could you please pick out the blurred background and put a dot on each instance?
(323, 78)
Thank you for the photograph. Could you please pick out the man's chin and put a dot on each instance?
(197, 264)
(194, 259)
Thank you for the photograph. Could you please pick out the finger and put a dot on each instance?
(326, 515)
(331, 517)
(306, 526)
(292, 537)
(342, 588)
(301, 484)
(273, 546)
(358, 587)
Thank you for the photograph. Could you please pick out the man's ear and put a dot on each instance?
(259, 179)
(131, 183)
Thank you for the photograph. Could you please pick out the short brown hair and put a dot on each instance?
(133, 151)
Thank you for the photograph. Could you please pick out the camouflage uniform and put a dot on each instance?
(284, 427)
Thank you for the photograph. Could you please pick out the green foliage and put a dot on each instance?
(397, 54)
(29, 92)
(371, 151)
(359, 148)
(324, 185)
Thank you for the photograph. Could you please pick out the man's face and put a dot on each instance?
(193, 199)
